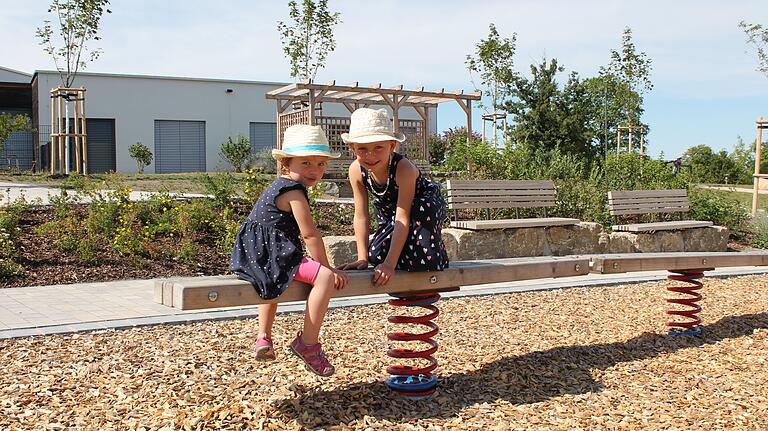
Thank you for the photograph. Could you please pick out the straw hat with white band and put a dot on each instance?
(303, 140)
(371, 125)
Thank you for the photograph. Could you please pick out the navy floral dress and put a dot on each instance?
(424, 249)
(268, 247)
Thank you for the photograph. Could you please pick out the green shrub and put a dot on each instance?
(718, 208)
(87, 250)
(141, 154)
(187, 253)
(237, 152)
(64, 233)
(220, 187)
(230, 227)
(10, 268)
(255, 183)
(759, 227)
(196, 218)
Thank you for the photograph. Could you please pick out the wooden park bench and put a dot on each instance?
(488, 194)
(641, 202)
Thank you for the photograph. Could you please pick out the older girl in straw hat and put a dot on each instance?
(409, 208)
(268, 250)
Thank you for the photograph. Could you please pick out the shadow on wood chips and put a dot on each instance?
(525, 379)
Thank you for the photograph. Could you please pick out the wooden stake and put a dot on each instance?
(758, 154)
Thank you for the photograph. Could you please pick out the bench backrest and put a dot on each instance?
(647, 202)
(500, 194)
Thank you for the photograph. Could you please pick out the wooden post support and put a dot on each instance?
(311, 107)
(85, 133)
(77, 136)
(761, 124)
(53, 137)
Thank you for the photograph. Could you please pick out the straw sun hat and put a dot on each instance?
(370, 125)
(302, 140)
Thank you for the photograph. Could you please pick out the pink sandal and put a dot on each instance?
(313, 356)
(264, 349)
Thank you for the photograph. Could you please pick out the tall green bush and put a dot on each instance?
(141, 154)
(237, 152)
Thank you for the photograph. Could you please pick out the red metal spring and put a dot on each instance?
(691, 325)
(410, 381)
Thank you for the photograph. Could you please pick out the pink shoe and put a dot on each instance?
(264, 350)
(313, 356)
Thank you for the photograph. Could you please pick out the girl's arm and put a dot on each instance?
(361, 219)
(299, 206)
(406, 177)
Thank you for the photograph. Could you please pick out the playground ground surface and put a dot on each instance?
(569, 359)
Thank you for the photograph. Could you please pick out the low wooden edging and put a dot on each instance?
(228, 291)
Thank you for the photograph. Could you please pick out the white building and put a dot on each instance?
(183, 121)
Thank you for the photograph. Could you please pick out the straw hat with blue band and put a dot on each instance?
(303, 140)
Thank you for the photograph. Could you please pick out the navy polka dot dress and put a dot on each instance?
(424, 249)
(268, 248)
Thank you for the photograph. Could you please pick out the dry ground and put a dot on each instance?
(577, 359)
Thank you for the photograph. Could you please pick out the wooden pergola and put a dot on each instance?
(304, 98)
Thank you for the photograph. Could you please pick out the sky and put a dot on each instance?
(706, 87)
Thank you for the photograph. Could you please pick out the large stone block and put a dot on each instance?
(561, 239)
(526, 242)
(645, 242)
(590, 238)
(621, 242)
(340, 249)
(669, 241)
(712, 238)
(463, 244)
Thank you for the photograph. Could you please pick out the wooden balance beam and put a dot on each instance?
(228, 291)
(631, 262)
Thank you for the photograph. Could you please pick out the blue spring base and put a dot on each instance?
(413, 387)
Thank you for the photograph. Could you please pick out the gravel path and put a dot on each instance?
(575, 359)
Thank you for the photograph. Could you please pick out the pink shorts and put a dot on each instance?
(308, 270)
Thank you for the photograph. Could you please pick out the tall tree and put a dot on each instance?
(309, 39)
(493, 60)
(547, 117)
(78, 24)
(757, 36)
(634, 69)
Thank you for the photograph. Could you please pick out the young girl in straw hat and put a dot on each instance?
(268, 250)
(409, 208)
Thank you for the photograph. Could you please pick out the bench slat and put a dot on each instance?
(649, 210)
(500, 184)
(483, 199)
(667, 225)
(456, 206)
(646, 201)
(514, 223)
(491, 192)
(189, 294)
(619, 194)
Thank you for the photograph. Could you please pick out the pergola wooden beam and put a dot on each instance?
(354, 95)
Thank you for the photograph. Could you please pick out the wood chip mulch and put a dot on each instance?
(575, 359)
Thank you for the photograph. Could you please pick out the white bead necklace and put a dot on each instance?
(386, 186)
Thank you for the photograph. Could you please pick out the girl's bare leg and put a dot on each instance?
(266, 320)
(317, 306)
